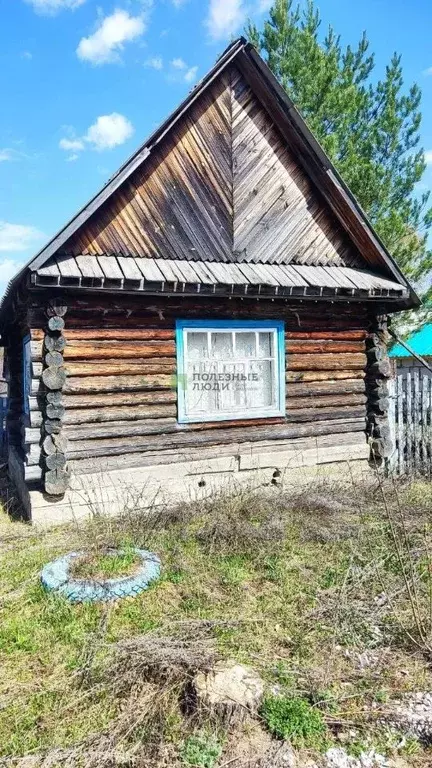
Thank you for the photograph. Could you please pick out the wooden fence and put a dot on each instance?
(411, 419)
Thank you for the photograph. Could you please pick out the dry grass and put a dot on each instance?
(306, 588)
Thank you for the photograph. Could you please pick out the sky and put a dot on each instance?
(84, 82)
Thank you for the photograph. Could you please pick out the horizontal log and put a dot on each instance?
(93, 431)
(121, 367)
(101, 415)
(31, 435)
(199, 454)
(297, 376)
(325, 414)
(55, 461)
(127, 334)
(55, 411)
(54, 358)
(125, 413)
(330, 335)
(117, 383)
(52, 426)
(57, 482)
(54, 343)
(325, 362)
(55, 397)
(55, 443)
(329, 387)
(299, 346)
(56, 323)
(323, 401)
(102, 350)
(133, 444)
(32, 473)
(117, 399)
(54, 377)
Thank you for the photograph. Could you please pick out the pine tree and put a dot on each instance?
(369, 128)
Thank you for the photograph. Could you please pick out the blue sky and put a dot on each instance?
(83, 83)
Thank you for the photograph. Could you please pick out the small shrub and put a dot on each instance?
(295, 720)
(201, 750)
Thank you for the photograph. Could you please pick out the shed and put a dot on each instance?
(217, 312)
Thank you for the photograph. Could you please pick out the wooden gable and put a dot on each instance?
(223, 185)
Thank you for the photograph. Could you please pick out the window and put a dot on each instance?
(27, 373)
(230, 370)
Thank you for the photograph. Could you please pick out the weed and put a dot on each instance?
(107, 565)
(295, 720)
(201, 750)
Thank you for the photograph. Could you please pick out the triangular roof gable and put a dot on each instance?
(291, 126)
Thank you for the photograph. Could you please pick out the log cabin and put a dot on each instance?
(217, 312)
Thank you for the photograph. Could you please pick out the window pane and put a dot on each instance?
(221, 346)
(265, 344)
(245, 344)
(196, 346)
(261, 390)
(200, 392)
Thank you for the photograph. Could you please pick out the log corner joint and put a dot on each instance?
(378, 373)
(54, 443)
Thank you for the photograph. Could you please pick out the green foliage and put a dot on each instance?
(295, 720)
(107, 565)
(368, 126)
(201, 750)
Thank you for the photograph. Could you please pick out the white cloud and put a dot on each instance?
(27, 55)
(18, 237)
(155, 62)
(178, 64)
(8, 153)
(178, 3)
(427, 71)
(8, 269)
(181, 71)
(264, 5)
(71, 145)
(224, 18)
(109, 131)
(190, 75)
(50, 7)
(428, 157)
(110, 37)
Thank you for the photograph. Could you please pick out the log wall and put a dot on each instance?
(120, 396)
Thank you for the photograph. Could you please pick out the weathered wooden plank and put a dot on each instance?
(90, 384)
(125, 413)
(132, 444)
(328, 387)
(329, 362)
(100, 350)
(309, 346)
(116, 334)
(133, 366)
(200, 454)
(324, 401)
(335, 335)
(316, 375)
(117, 399)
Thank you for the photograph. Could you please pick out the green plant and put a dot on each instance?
(201, 750)
(295, 720)
(106, 565)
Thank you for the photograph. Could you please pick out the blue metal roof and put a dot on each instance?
(420, 342)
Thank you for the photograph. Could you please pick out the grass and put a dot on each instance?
(305, 588)
(97, 566)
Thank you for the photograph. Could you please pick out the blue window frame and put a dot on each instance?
(230, 369)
